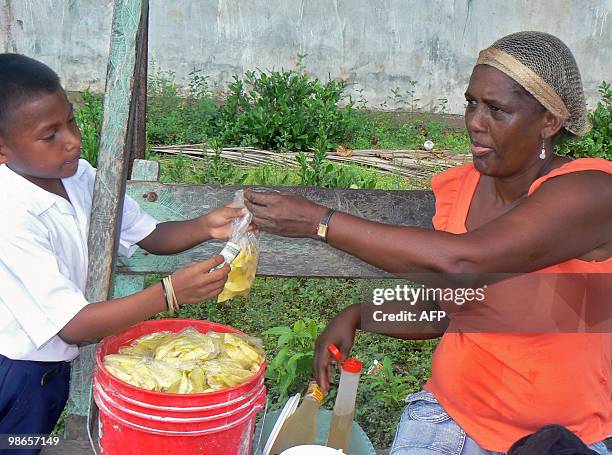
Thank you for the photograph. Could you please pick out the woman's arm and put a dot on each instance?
(567, 217)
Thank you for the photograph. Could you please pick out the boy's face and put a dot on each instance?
(42, 141)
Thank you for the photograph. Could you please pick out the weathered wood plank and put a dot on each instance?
(125, 285)
(69, 447)
(137, 126)
(109, 189)
(279, 256)
(145, 170)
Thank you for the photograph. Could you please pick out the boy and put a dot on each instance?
(45, 205)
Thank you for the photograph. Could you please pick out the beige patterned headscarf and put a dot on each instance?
(544, 66)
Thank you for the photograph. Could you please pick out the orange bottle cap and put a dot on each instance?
(335, 352)
(352, 365)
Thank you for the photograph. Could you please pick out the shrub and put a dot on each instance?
(598, 142)
(88, 116)
(283, 110)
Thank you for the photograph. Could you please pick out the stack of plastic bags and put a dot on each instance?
(187, 362)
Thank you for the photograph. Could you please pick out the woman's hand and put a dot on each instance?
(284, 214)
(193, 283)
(341, 332)
(218, 223)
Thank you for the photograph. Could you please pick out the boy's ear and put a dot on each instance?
(4, 159)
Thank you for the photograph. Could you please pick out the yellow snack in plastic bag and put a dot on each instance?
(146, 344)
(244, 264)
(187, 362)
(241, 276)
(222, 373)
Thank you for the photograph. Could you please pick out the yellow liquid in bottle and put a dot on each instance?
(340, 431)
(301, 427)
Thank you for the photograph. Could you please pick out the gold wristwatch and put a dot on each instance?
(323, 225)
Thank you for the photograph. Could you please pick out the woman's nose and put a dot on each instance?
(475, 120)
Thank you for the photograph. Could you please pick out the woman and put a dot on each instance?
(519, 208)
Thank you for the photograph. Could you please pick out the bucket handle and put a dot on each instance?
(258, 449)
(91, 408)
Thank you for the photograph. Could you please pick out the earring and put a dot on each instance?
(543, 152)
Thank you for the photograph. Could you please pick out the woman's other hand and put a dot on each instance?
(284, 214)
(341, 332)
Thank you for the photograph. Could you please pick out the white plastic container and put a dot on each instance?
(344, 407)
(311, 450)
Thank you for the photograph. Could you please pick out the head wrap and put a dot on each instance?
(544, 66)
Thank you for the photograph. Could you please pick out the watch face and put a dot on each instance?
(322, 231)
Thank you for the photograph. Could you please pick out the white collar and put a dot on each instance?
(38, 200)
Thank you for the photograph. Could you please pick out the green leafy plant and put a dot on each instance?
(283, 110)
(88, 116)
(292, 364)
(391, 388)
(598, 142)
(179, 116)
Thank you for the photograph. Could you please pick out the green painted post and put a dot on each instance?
(109, 188)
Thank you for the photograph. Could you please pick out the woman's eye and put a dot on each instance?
(470, 102)
(49, 137)
(494, 108)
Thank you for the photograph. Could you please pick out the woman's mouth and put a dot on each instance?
(479, 150)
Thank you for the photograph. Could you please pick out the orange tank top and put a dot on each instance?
(500, 387)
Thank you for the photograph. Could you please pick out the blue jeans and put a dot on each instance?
(32, 397)
(426, 429)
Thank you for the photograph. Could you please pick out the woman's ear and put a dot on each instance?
(552, 125)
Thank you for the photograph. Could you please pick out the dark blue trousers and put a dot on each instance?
(32, 397)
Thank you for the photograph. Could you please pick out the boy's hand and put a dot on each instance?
(341, 332)
(193, 283)
(218, 223)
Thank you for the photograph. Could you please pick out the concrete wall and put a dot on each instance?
(376, 45)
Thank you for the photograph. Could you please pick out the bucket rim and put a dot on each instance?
(103, 396)
(249, 415)
(246, 396)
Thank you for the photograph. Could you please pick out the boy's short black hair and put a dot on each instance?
(22, 79)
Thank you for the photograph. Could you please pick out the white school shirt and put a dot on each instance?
(43, 260)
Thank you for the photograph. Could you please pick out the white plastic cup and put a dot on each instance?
(311, 450)
(428, 145)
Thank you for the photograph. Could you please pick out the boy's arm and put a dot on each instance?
(177, 236)
(192, 284)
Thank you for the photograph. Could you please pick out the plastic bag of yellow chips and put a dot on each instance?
(187, 362)
(244, 265)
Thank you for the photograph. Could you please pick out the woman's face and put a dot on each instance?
(504, 123)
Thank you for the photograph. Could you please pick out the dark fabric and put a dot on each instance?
(32, 397)
(551, 440)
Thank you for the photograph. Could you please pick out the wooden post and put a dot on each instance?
(109, 189)
(137, 129)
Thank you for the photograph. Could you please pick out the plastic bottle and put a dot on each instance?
(300, 428)
(344, 407)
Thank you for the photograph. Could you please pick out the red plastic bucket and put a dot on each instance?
(136, 421)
